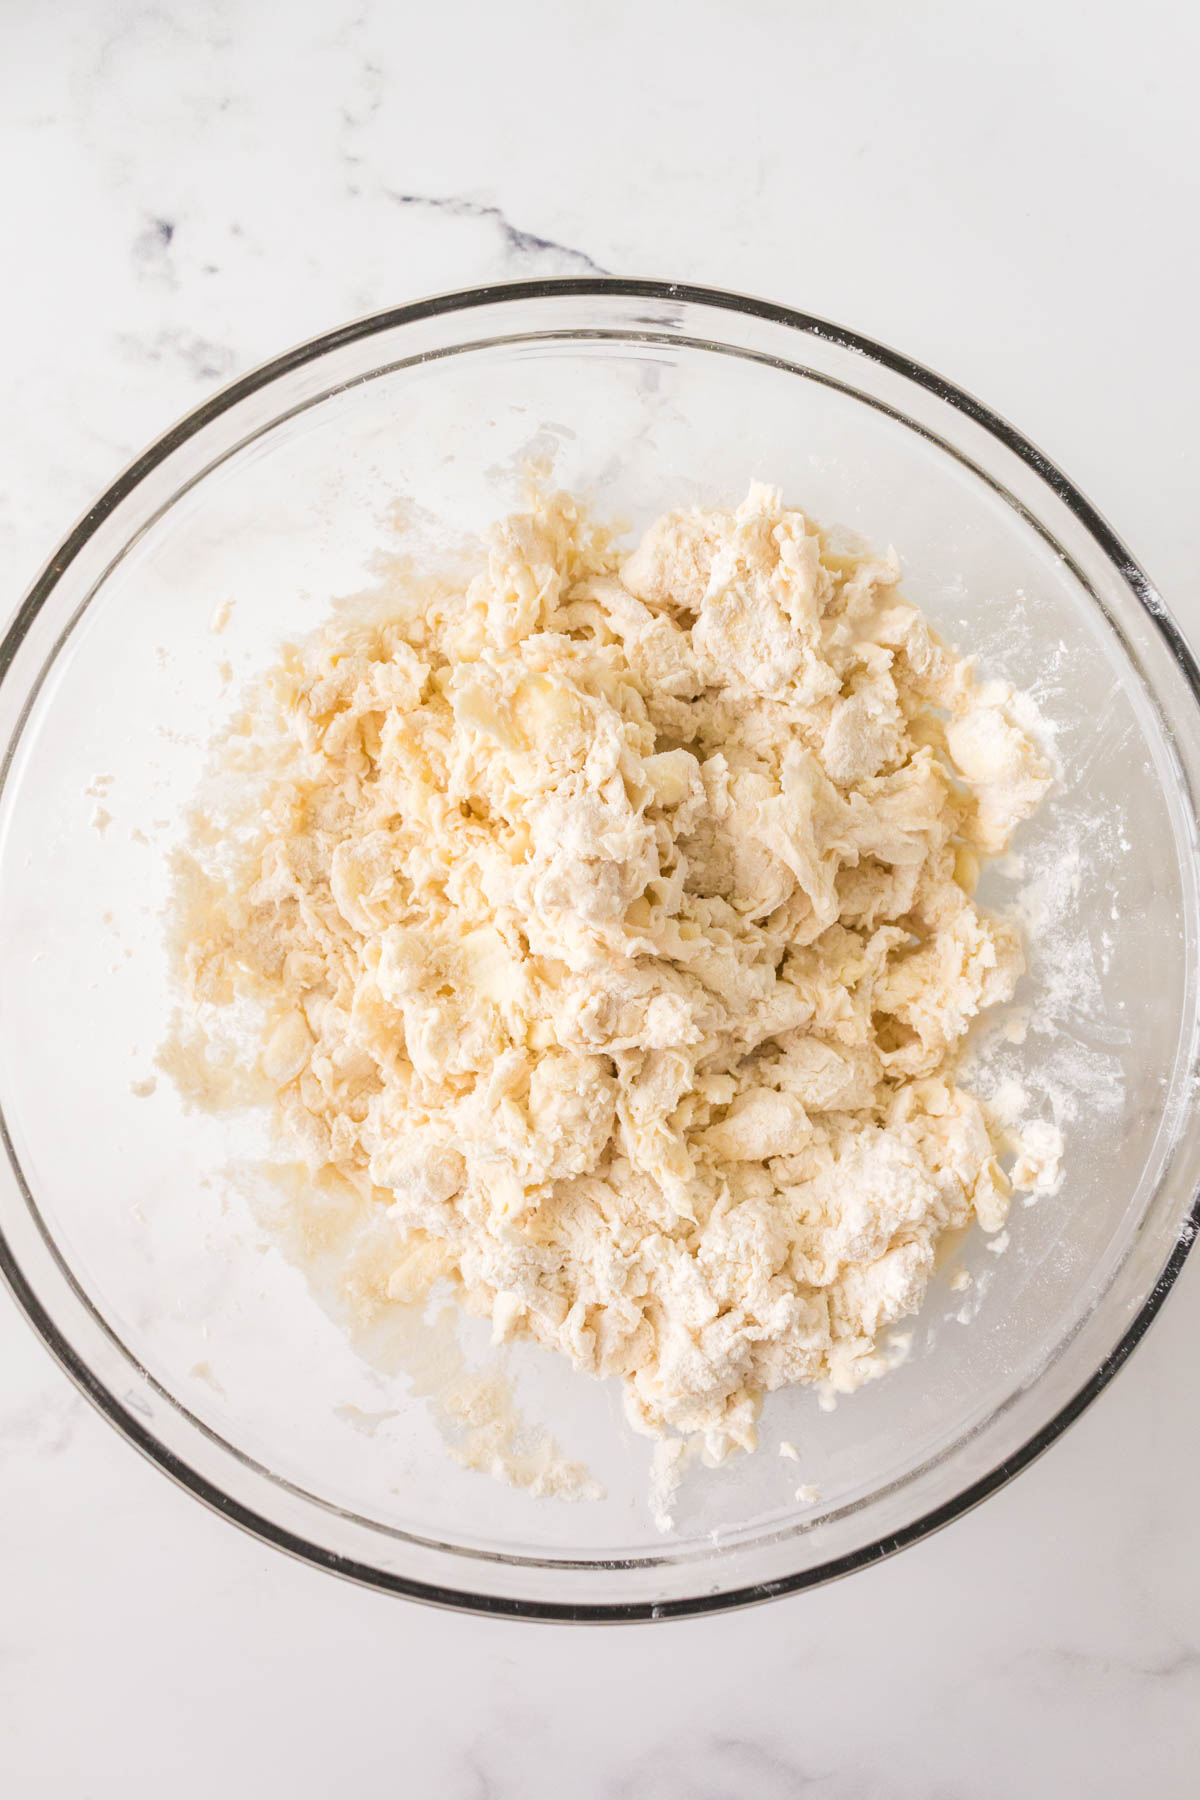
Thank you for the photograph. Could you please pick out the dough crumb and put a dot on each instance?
(1038, 1167)
(366, 1422)
(668, 1465)
(203, 1371)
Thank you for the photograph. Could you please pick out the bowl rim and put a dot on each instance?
(1115, 552)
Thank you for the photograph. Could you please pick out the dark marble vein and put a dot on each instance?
(151, 250)
(521, 245)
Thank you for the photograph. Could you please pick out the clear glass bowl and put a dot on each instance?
(142, 1266)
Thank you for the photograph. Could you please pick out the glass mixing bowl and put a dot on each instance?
(141, 1261)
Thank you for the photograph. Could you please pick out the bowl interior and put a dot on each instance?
(155, 1212)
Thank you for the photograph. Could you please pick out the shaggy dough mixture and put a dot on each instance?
(613, 921)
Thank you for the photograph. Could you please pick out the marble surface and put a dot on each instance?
(194, 184)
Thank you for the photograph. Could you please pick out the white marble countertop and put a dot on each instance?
(1005, 194)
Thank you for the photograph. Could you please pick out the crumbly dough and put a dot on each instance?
(614, 922)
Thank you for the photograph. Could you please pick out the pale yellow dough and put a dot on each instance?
(614, 923)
